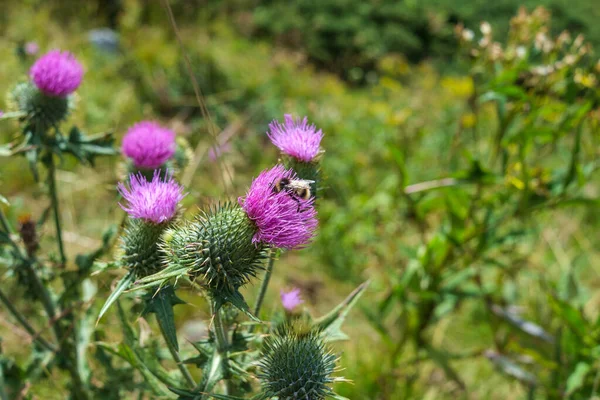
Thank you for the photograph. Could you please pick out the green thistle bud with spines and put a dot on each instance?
(217, 249)
(296, 364)
(41, 111)
(141, 253)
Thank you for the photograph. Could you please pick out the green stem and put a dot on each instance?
(5, 223)
(9, 231)
(222, 347)
(23, 321)
(54, 197)
(184, 371)
(265, 282)
(44, 296)
(221, 336)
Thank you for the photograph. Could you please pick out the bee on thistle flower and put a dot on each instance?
(225, 247)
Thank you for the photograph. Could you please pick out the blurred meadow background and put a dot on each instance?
(460, 169)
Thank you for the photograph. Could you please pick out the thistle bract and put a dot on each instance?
(57, 73)
(140, 247)
(149, 145)
(296, 365)
(282, 219)
(41, 111)
(297, 139)
(216, 249)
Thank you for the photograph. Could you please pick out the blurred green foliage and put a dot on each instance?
(348, 37)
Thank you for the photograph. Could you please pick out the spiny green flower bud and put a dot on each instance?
(183, 153)
(296, 365)
(41, 111)
(217, 249)
(140, 247)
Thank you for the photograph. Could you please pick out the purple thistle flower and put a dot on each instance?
(57, 73)
(148, 144)
(31, 48)
(1, 113)
(296, 138)
(291, 299)
(154, 201)
(282, 219)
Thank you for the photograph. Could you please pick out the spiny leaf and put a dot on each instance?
(236, 299)
(119, 289)
(127, 354)
(161, 303)
(331, 323)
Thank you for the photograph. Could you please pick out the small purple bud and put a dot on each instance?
(31, 48)
(291, 299)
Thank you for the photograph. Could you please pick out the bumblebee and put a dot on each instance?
(298, 188)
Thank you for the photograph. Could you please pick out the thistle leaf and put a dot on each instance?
(331, 323)
(237, 300)
(161, 303)
(121, 287)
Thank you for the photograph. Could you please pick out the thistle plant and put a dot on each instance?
(42, 105)
(218, 252)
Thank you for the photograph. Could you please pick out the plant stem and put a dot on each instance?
(222, 347)
(66, 349)
(265, 282)
(221, 336)
(54, 198)
(184, 371)
(9, 231)
(21, 319)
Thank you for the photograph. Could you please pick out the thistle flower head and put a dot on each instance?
(291, 299)
(148, 144)
(297, 365)
(56, 73)
(153, 201)
(282, 219)
(297, 138)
